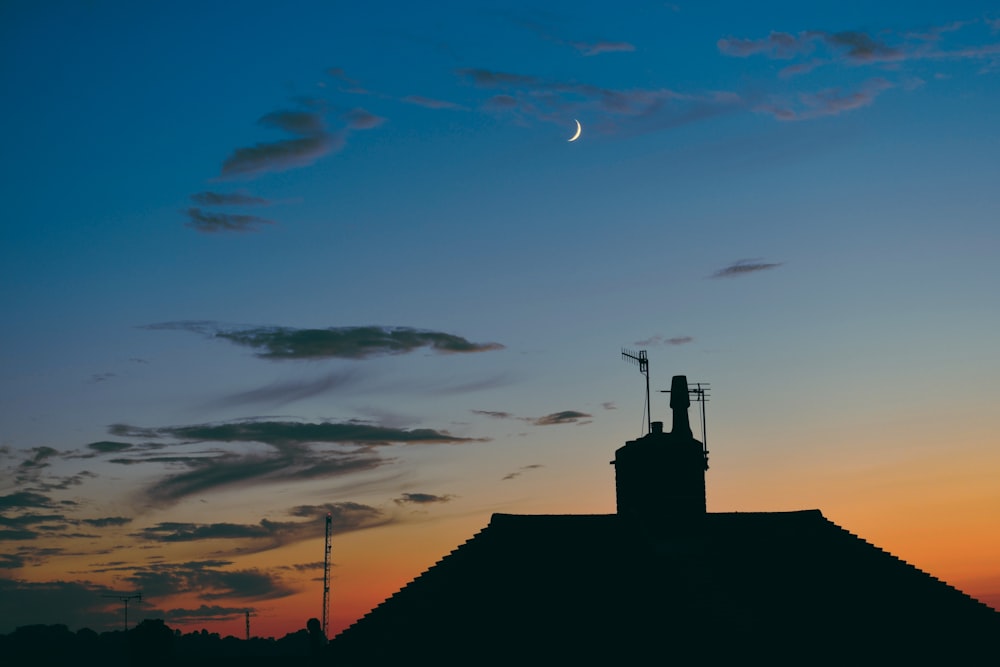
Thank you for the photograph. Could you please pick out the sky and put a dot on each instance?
(268, 263)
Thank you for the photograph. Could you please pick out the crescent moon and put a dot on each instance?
(579, 129)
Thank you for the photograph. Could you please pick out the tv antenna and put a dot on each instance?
(248, 615)
(643, 362)
(125, 599)
(699, 392)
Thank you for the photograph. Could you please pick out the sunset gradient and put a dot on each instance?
(263, 264)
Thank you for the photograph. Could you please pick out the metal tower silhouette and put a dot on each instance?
(326, 576)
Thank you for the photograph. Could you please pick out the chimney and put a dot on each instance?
(660, 478)
(680, 401)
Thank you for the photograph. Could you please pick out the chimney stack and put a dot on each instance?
(660, 478)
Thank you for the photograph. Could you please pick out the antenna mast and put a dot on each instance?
(326, 576)
(699, 392)
(125, 599)
(641, 359)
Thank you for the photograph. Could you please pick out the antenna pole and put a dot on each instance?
(641, 359)
(326, 576)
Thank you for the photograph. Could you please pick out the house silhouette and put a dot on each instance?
(662, 581)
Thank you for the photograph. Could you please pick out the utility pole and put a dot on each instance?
(125, 599)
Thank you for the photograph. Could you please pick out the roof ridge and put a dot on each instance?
(393, 599)
(911, 569)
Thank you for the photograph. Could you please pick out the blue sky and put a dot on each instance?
(796, 203)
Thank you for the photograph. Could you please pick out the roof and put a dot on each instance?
(601, 589)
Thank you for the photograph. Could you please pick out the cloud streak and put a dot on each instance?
(213, 223)
(293, 453)
(886, 50)
(564, 417)
(345, 517)
(228, 199)
(520, 471)
(208, 581)
(422, 499)
(309, 142)
(659, 339)
(280, 393)
(744, 267)
(335, 342)
(430, 103)
(288, 433)
(528, 96)
(852, 46)
(552, 419)
(597, 48)
(828, 102)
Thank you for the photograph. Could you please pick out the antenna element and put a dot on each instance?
(641, 359)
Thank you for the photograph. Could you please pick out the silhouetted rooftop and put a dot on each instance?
(602, 589)
(662, 580)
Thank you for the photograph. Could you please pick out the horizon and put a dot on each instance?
(380, 262)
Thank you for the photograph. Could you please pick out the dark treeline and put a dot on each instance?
(152, 642)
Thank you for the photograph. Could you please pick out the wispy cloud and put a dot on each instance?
(496, 414)
(528, 96)
(267, 534)
(39, 458)
(208, 581)
(289, 433)
(107, 521)
(744, 267)
(213, 223)
(287, 391)
(35, 470)
(108, 447)
(520, 471)
(359, 119)
(659, 339)
(228, 199)
(431, 103)
(422, 499)
(339, 74)
(818, 48)
(849, 45)
(24, 499)
(587, 48)
(29, 515)
(564, 417)
(827, 102)
(597, 48)
(310, 141)
(780, 45)
(293, 453)
(335, 342)
(887, 51)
